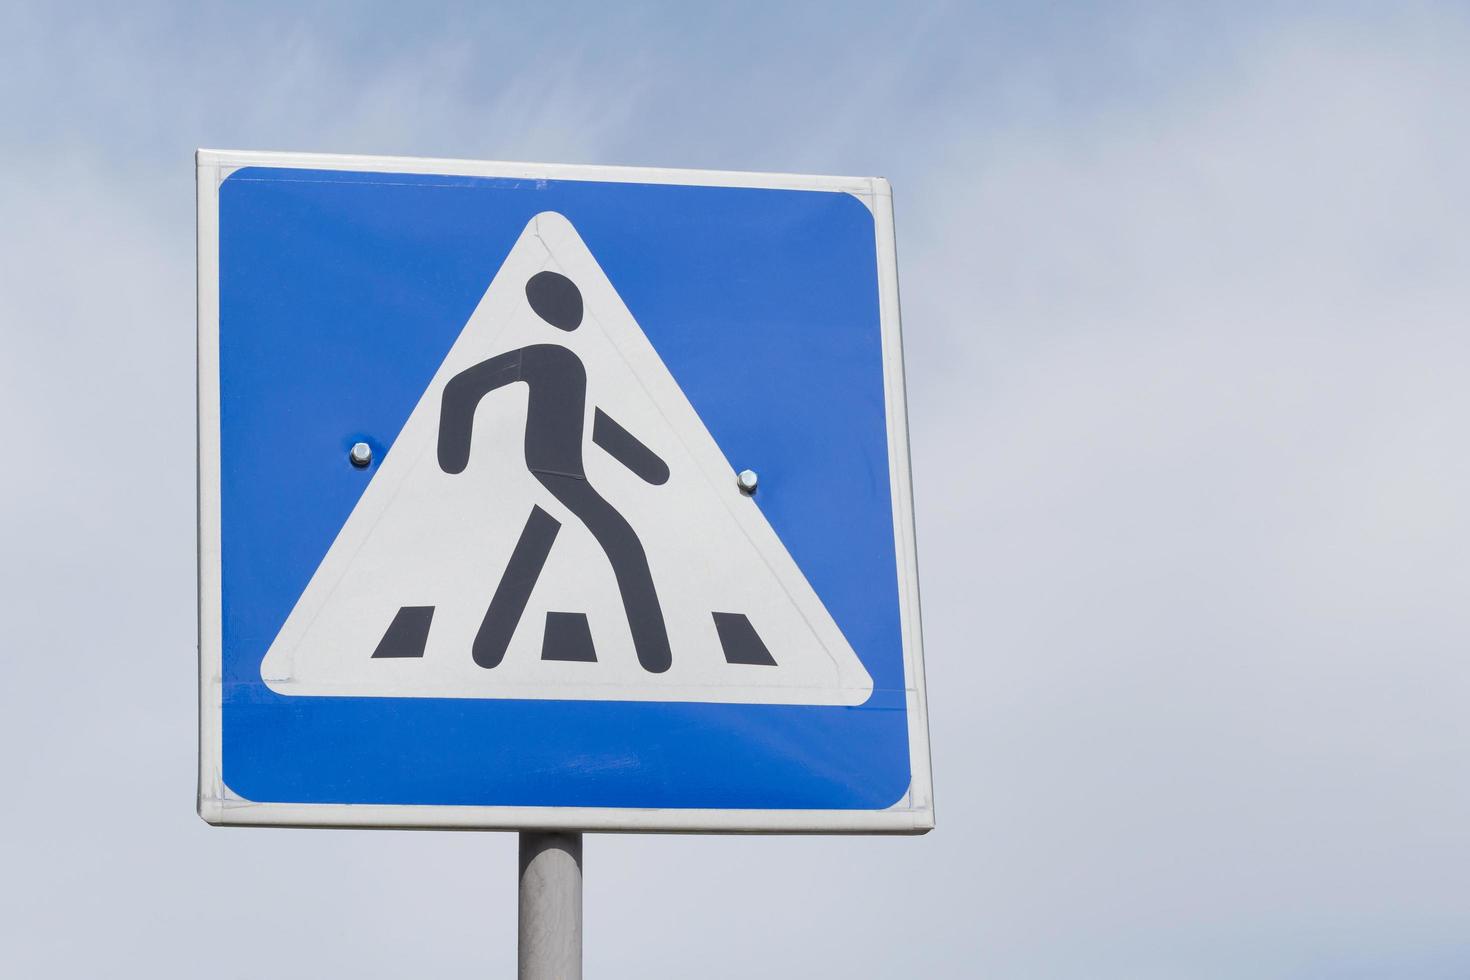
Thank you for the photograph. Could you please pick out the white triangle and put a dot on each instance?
(422, 537)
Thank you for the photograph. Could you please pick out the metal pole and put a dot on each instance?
(551, 907)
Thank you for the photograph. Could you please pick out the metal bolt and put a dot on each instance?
(747, 480)
(361, 454)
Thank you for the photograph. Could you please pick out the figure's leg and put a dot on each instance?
(514, 590)
(629, 564)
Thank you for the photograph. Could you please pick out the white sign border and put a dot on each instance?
(217, 804)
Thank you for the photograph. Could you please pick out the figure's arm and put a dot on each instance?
(624, 447)
(461, 396)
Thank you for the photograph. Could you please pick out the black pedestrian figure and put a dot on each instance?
(554, 429)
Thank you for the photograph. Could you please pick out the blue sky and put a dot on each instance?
(1185, 318)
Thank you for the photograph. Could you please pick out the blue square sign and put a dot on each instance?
(537, 497)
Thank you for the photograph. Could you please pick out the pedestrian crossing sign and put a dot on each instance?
(553, 497)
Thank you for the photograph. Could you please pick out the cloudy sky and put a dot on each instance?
(1188, 326)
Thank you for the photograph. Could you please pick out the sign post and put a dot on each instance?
(550, 913)
(553, 499)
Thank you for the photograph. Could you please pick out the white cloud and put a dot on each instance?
(1185, 311)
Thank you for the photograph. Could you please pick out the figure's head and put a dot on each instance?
(556, 299)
